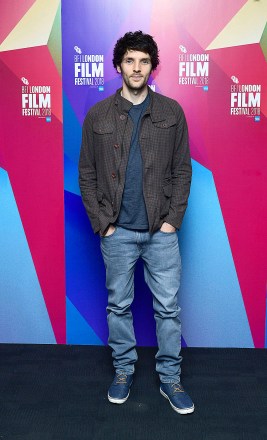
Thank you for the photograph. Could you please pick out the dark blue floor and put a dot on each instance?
(60, 393)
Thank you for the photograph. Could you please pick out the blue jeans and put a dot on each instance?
(162, 267)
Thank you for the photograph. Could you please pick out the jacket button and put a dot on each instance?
(116, 146)
(113, 175)
(122, 117)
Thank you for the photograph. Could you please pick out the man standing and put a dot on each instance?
(135, 175)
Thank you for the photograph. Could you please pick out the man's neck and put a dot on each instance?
(134, 96)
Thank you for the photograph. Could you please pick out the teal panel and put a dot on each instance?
(213, 312)
(78, 330)
(24, 317)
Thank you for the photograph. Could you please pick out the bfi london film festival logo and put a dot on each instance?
(88, 70)
(36, 100)
(193, 68)
(245, 99)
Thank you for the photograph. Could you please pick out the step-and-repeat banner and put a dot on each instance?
(213, 62)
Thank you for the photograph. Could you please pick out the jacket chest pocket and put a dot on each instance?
(162, 134)
(164, 129)
(158, 141)
(103, 134)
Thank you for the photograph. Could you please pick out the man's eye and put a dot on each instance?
(128, 61)
(145, 62)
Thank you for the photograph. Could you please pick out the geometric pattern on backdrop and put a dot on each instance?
(223, 239)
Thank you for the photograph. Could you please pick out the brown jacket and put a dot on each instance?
(104, 154)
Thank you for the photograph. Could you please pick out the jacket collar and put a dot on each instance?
(122, 104)
(154, 108)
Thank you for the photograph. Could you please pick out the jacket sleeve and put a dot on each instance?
(181, 173)
(87, 174)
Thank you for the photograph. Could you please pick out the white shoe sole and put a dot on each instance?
(118, 401)
(179, 410)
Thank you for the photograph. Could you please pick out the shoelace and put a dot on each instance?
(177, 388)
(121, 378)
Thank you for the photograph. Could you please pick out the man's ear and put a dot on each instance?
(119, 69)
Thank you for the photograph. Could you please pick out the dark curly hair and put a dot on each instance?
(136, 41)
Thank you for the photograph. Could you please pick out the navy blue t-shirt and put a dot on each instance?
(133, 213)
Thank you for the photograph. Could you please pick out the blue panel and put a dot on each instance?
(71, 183)
(144, 324)
(78, 330)
(84, 267)
(213, 312)
(72, 132)
(24, 317)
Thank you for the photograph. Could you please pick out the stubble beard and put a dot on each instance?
(136, 88)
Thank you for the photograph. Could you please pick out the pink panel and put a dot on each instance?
(238, 155)
(205, 20)
(34, 161)
(247, 63)
(37, 65)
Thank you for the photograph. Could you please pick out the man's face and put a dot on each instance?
(135, 69)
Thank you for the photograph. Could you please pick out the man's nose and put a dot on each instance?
(137, 67)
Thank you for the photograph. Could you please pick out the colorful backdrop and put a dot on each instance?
(213, 61)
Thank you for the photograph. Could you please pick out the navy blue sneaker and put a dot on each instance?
(120, 388)
(178, 398)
